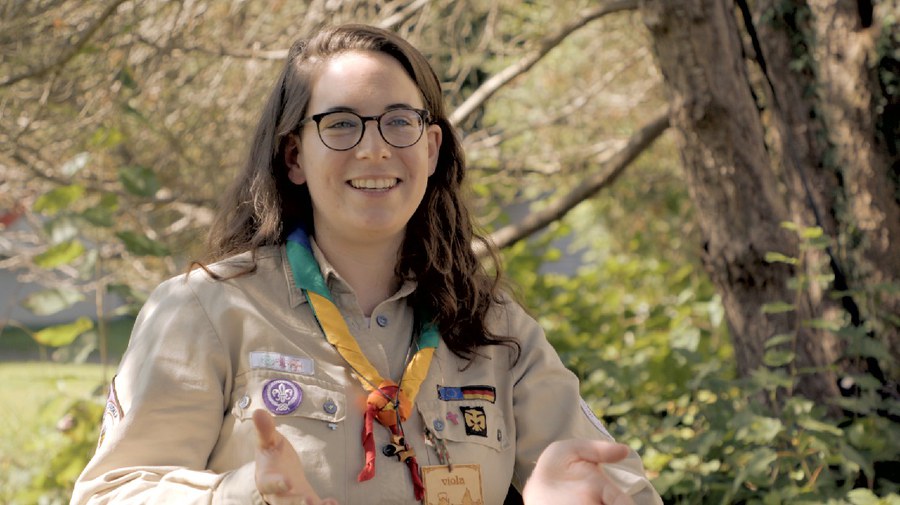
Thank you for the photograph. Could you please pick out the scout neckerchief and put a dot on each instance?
(387, 399)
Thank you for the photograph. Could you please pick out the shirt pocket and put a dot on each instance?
(289, 395)
(467, 422)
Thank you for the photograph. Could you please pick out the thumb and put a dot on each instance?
(266, 435)
(598, 451)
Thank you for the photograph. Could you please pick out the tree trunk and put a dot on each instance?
(849, 92)
(738, 184)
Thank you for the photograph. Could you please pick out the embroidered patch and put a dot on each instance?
(467, 393)
(593, 419)
(476, 421)
(282, 396)
(112, 414)
(282, 363)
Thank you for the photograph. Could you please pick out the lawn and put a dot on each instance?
(36, 393)
(35, 396)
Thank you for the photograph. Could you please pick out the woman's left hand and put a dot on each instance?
(571, 472)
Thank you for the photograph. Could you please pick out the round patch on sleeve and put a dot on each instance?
(112, 413)
(594, 420)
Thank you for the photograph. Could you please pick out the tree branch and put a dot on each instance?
(497, 81)
(402, 15)
(509, 235)
(66, 55)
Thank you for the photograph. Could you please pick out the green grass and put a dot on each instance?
(34, 397)
(38, 386)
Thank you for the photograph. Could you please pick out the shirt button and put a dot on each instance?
(330, 407)
(382, 320)
(244, 402)
(438, 425)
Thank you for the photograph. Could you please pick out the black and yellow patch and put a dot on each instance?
(476, 421)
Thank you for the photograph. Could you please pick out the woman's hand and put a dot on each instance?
(571, 472)
(279, 472)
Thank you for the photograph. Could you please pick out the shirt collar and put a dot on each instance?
(333, 279)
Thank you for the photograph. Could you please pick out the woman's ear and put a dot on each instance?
(434, 135)
(292, 160)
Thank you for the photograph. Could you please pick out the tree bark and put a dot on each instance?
(849, 92)
(734, 182)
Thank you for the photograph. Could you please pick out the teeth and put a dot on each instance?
(373, 183)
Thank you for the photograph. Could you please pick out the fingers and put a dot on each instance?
(266, 436)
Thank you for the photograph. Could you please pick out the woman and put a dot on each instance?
(348, 343)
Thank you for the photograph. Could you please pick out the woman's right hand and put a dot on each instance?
(279, 472)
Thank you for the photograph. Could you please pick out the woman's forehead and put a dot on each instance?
(362, 78)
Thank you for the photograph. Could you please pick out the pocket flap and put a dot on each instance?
(293, 395)
(474, 421)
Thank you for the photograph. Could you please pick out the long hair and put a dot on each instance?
(263, 205)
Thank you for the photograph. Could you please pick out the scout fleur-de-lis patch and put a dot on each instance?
(476, 421)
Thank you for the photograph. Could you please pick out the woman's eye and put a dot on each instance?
(340, 124)
(400, 121)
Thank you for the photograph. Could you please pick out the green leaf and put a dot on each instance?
(59, 254)
(866, 347)
(811, 232)
(754, 466)
(51, 301)
(777, 308)
(819, 426)
(138, 180)
(142, 245)
(102, 213)
(862, 496)
(778, 357)
(782, 338)
(771, 379)
(58, 199)
(775, 257)
(63, 334)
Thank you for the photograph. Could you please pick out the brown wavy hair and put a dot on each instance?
(263, 206)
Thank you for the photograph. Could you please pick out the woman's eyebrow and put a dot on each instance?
(344, 108)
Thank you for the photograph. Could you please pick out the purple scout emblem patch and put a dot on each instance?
(282, 396)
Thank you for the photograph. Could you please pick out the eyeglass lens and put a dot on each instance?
(343, 130)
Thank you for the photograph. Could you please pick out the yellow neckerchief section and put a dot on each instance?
(388, 402)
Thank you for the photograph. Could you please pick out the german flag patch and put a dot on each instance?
(467, 393)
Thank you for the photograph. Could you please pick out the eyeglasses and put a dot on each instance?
(343, 130)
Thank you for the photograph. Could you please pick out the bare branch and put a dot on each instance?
(402, 15)
(497, 81)
(509, 235)
(66, 55)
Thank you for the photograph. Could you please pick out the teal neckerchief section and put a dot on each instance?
(308, 276)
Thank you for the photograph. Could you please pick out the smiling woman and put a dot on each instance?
(346, 341)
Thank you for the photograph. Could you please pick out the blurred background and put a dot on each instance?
(699, 200)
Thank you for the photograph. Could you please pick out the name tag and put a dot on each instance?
(461, 485)
(282, 363)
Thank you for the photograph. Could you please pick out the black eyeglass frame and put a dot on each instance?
(424, 115)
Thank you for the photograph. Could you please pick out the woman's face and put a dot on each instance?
(369, 192)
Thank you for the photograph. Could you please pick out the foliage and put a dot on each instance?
(116, 156)
(48, 429)
(657, 368)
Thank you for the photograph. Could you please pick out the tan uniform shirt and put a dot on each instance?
(178, 426)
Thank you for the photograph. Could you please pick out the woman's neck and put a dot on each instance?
(368, 268)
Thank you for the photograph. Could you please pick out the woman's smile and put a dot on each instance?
(379, 184)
